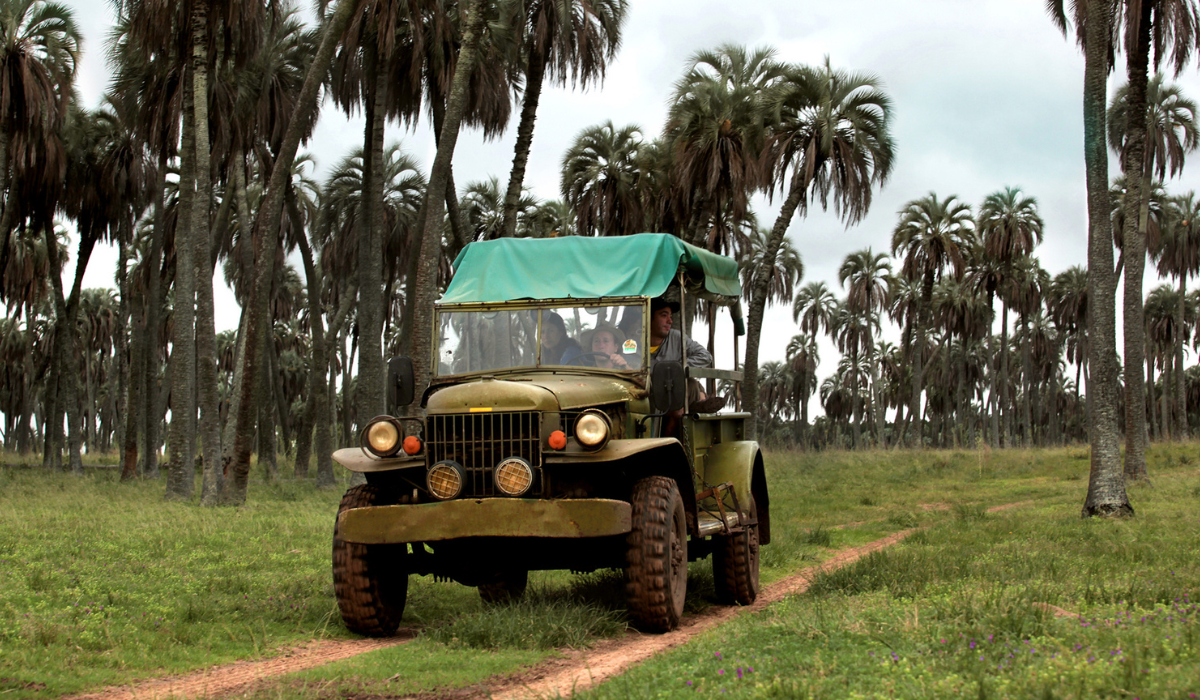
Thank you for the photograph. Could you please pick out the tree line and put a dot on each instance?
(193, 160)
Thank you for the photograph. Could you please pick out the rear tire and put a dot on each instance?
(369, 581)
(735, 564)
(507, 587)
(656, 555)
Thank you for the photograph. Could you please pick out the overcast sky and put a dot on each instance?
(986, 94)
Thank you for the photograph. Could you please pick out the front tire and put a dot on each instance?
(735, 564)
(369, 581)
(656, 555)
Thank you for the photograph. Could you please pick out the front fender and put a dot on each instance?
(357, 460)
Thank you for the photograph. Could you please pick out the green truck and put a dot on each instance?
(534, 451)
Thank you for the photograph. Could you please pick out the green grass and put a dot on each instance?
(962, 609)
(104, 583)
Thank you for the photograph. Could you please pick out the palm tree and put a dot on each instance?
(866, 276)
(1106, 484)
(430, 251)
(1068, 305)
(483, 208)
(803, 357)
(1148, 147)
(716, 130)
(601, 180)
(931, 236)
(1179, 257)
(563, 38)
(829, 133)
(39, 51)
(1010, 228)
(1023, 292)
(233, 489)
(813, 308)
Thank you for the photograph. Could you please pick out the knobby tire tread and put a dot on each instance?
(369, 581)
(735, 574)
(648, 555)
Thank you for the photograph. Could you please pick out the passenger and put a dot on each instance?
(557, 347)
(666, 345)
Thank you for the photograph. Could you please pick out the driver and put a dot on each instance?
(607, 342)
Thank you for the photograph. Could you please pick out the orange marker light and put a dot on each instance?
(558, 440)
(412, 444)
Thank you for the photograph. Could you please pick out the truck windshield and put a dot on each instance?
(604, 337)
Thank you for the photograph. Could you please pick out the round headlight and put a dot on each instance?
(445, 479)
(591, 429)
(383, 437)
(513, 476)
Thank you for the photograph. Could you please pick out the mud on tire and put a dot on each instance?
(656, 555)
(735, 564)
(369, 581)
(507, 587)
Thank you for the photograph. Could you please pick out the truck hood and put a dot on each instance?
(532, 392)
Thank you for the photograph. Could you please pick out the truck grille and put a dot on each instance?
(478, 441)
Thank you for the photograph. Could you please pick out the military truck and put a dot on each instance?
(534, 451)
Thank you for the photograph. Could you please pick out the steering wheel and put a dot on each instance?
(575, 360)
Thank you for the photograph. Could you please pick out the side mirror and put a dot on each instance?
(400, 383)
(668, 387)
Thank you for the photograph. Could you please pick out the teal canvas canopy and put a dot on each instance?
(578, 267)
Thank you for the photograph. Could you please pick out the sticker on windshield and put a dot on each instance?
(629, 347)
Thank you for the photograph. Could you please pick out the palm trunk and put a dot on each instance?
(1181, 421)
(855, 398)
(1005, 381)
(136, 383)
(1027, 383)
(245, 249)
(1106, 484)
(1137, 178)
(369, 392)
(237, 471)
(206, 333)
(1154, 424)
(918, 361)
(1164, 415)
(758, 303)
(181, 468)
(431, 239)
(993, 370)
(534, 73)
(151, 423)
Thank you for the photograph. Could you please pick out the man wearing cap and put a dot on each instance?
(666, 345)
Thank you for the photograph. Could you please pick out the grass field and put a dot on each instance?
(104, 583)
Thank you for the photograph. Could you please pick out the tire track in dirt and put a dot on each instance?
(583, 669)
(558, 677)
(227, 678)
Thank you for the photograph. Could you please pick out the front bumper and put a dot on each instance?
(485, 517)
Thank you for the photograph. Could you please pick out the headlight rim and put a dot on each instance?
(365, 441)
(528, 469)
(605, 421)
(457, 468)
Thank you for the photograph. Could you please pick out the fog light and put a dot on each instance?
(591, 429)
(513, 476)
(382, 437)
(445, 479)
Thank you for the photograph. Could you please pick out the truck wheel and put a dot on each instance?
(656, 555)
(507, 587)
(735, 564)
(369, 581)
